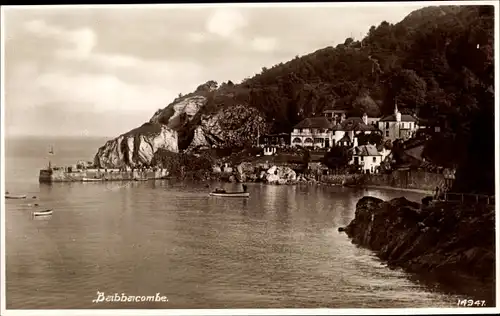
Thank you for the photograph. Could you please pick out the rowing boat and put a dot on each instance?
(230, 194)
(92, 179)
(43, 213)
(14, 196)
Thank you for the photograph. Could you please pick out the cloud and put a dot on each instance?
(80, 41)
(101, 61)
(225, 22)
(264, 44)
(196, 37)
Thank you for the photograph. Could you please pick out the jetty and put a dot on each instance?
(87, 172)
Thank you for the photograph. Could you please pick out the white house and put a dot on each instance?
(312, 132)
(323, 132)
(397, 125)
(368, 157)
(345, 133)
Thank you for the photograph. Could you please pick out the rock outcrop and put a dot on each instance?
(136, 149)
(195, 120)
(280, 175)
(451, 244)
(234, 126)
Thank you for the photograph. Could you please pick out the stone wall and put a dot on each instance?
(62, 176)
(340, 179)
(406, 179)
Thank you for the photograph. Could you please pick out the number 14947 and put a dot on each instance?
(471, 303)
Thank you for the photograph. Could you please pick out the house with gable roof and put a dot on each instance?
(397, 125)
(369, 157)
(346, 132)
(312, 132)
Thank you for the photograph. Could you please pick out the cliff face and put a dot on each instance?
(233, 126)
(189, 123)
(451, 244)
(136, 149)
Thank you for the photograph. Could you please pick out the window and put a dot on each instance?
(362, 158)
(300, 130)
(386, 124)
(386, 133)
(374, 159)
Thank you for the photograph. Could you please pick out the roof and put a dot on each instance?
(366, 150)
(404, 118)
(276, 135)
(333, 109)
(354, 124)
(315, 122)
(346, 138)
(416, 152)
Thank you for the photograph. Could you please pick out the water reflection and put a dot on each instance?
(278, 248)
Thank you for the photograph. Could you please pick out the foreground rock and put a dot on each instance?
(451, 244)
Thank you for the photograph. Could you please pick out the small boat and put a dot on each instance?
(43, 213)
(230, 194)
(15, 196)
(92, 179)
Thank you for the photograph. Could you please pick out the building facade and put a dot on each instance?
(323, 132)
(312, 132)
(368, 157)
(398, 126)
(346, 132)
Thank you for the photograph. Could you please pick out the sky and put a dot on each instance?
(85, 71)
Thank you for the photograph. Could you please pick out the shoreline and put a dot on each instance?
(431, 242)
(429, 192)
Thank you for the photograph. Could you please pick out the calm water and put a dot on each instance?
(279, 248)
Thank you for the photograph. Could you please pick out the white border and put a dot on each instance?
(254, 5)
(2, 171)
(320, 311)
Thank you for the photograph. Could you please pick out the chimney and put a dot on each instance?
(365, 119)
(397, 113)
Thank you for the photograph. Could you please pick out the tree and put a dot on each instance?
(337, 158)
(306, 158)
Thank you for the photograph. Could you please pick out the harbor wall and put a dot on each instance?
(406, 179)
(62, 175)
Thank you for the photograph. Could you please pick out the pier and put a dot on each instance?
(69, 174)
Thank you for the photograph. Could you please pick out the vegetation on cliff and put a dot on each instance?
(181, 165)
(437, 63)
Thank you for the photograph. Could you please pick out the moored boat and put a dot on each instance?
(43, 213)
(230, 194)
(92, 179)
(15, 196)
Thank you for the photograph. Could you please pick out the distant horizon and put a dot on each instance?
(6, 136)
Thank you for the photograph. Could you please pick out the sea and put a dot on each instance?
(279, 248)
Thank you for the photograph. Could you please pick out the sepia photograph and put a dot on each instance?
(249, 158)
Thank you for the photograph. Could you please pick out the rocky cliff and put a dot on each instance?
(452, 245)
(199, 120)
